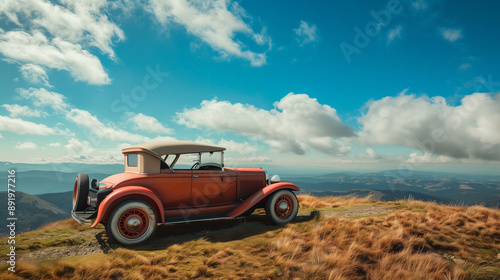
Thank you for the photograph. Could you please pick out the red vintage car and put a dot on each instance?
(175, 182)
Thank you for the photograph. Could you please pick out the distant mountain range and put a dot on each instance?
(44, 191)
(396, 184)
(40, 182)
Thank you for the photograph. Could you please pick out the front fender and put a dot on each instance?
(115, 197)
(258, 196)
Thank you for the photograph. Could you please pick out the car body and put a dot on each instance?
(175, 182)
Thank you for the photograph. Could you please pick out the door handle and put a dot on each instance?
(195, 176)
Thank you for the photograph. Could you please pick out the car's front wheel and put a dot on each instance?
(131, 223)
(282, 207)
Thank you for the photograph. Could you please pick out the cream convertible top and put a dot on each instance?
(172, 148)
(149, 154)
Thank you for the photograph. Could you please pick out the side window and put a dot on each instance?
(132, 160)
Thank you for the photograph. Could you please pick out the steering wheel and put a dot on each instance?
(195, 165)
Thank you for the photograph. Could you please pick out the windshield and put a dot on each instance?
(202, 161)
(212, 158)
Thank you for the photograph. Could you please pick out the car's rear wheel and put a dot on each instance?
(282, 207)
(131, 223)
(80, 192)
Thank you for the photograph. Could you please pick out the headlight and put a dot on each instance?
(102, 186)
(275, 179)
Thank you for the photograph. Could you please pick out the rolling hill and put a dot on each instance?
(41, 182)
(332, 238)
(31, 212)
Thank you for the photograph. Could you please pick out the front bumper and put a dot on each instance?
(84, 217)
(95, 197)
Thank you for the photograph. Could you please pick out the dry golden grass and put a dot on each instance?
(309, 201)
(419, 240)
(436, 242)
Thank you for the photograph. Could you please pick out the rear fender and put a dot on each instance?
(129, 193)
(259, 196)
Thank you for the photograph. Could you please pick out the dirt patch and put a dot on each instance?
(61, 252)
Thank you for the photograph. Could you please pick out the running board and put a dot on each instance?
(84, 217)
(196, 219)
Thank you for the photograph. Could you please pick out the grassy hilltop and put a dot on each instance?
(350, 238)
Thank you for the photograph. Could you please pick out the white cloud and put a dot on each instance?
(305, 33)
(231, 146)
(124, 7)
(44, 34)
(393, 33)
(429, 158)
(240, 148)
(85, 119)
(74, 145)
(451, 34)
(56, 53)
(262, 38)
(123, 146)
(42, 97)
(465, 66)
(26, 146)
(214, 22)
(470, 130)
(64, 131)
(35, 74)
(369, 154)
(16, 110)
(149, 124)
(296, 124)
(77, 22)
(20, 126)
(55, 145)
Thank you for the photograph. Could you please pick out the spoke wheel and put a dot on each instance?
(132, 223)
(282, 207)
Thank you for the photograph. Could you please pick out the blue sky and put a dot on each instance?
(322, 85)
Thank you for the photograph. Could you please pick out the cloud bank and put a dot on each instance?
(468, 130)
(58, 36)
(296, 124)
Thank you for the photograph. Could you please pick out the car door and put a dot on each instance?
(212, 187)
(173, 188)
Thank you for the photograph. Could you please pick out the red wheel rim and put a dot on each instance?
(133, 223)
(284, 206)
